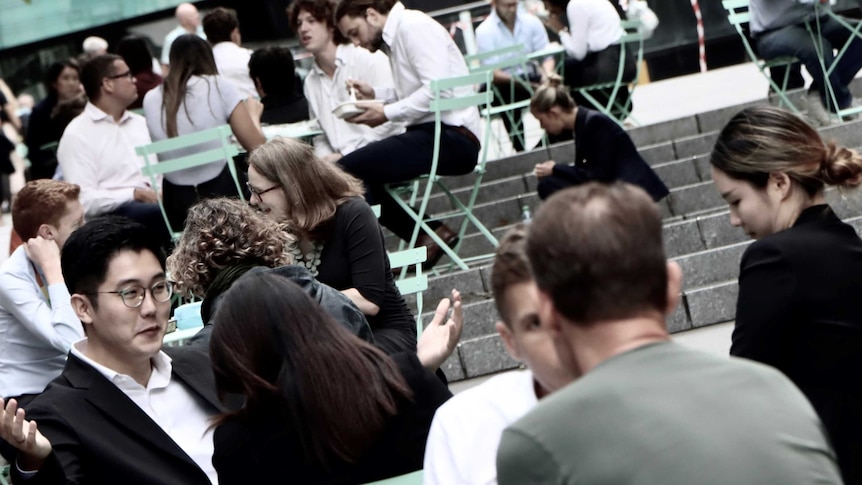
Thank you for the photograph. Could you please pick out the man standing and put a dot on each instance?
(37, 323)
(221, 26)
(122, 410)
(782, 28)
(336, 61)
(644, 410)
(97, 150)
(507, 26)
(189, 21)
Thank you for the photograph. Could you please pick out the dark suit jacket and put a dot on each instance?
(604, 152)
(255, 451)
(101, 437)
(800, 310)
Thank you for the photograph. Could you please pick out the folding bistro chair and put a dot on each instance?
(413, 284)
(414, 478)
(225, 151)
(412, 191)
(739, 17)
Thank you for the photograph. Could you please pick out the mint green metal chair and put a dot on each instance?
(739, 17)
(415, 284)
(814, 30)
(414, 478)
(414, 192)
(226, 151)
(6, 480)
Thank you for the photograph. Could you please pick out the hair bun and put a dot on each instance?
(554, 81)
(841, 166)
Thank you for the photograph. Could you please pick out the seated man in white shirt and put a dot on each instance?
(97, 149)
(508, 25)
(222, 28)
(37, 323)
(336, 61)
(122, 410)
(462, 443)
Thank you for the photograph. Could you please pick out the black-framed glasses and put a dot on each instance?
(127, 74)
(133, 296)
(260, 192)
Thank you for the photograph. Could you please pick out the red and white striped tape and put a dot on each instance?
(701, 41)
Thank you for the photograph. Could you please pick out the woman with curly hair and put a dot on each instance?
(338, 238)
(225, 238)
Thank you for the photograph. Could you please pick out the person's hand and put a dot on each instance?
(146, 195)
(45, 254)
(544, 169)
(553, 22)
(23, 435)
(372, 116)
(362, 89)
(254, 107)
(332, 157)
(441, 336)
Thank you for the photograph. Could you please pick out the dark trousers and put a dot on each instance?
(6, 450)
(147, 214)
(404, 157)
(512, 92)
(179, 198)
(601, 67)
(794, 40)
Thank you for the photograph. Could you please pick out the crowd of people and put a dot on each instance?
(309, 368)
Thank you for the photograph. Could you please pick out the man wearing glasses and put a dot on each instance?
(122, 410)
(97, 149)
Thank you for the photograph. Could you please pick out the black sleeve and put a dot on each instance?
(366, 252)
(575, 175)
(765, 305)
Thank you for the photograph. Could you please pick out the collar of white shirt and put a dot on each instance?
(97, 114)
(393, 20)
(159, 379)
(341, 53)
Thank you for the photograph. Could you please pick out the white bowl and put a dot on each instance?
(352, 108)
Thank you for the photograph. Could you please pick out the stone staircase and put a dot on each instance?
(697, 232)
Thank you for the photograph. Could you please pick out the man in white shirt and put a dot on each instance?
(221, 26)
(97, 149)
(336, 61)
(592, 44)
(420, 50)
(462, 443)
(189, 20)
(506, 26)
(37, 323)
(122, 410)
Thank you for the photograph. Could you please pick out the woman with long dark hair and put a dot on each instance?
(320, 405)
(193, 98)
(135, 51)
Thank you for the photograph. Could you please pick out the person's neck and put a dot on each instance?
(509, 24)
(139, 370)
(795, 208)
(106, 104)
(325, 59)
(593, 344)
(572, 119)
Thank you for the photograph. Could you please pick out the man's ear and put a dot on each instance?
(83, 308)
(674, 286)
(46, 231)
(508, 339)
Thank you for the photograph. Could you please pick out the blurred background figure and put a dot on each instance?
(274, 75)
(189, 20)
(93, 46)
(222, 29)
(134, 50)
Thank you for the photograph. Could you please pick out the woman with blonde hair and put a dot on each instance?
(603, 150)
(224, 239)
(338, 238)
(798, 307)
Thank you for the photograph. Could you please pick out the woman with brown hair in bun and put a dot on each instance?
(799, 307)
(603, 150)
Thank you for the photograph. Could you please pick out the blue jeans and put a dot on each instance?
(794, 40)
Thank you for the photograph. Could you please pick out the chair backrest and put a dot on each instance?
(737, 12)
(157, 150)
(475, 61)
(414, 478)
(410, 285)
(5, 477)
(443, 101)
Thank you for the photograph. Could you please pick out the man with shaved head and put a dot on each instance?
(189, 21)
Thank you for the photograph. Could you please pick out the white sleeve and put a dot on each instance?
(226, 94)
(79, 167)
(56, 324)
(575, 41)
(378, 72)
(440, 464)
(320, 142)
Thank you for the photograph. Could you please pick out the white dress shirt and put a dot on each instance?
(493, 34)
(593, 26)
(36, 331)
(466, 430)
(232, 63)
(420, 51)
(325, 94)
(98, 154)
(169, 404)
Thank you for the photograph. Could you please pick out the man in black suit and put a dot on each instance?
(122, 410)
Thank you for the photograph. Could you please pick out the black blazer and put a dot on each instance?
(262, 451)
(604, 152)
(800, 310)
(101, 437)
